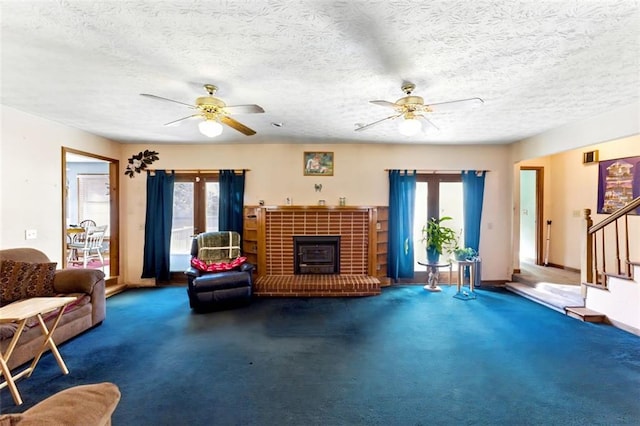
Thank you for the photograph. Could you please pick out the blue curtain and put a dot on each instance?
(472, 194)
(402, 195)
(157, 226)
(231, 201)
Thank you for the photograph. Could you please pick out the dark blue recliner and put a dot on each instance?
(219, 277)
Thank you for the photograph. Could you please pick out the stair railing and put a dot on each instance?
(599, 253)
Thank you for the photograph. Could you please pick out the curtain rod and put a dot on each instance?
(198, 170)
(434, 171)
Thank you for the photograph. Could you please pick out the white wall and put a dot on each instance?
(276, 172)
(31, 178)
(621, 302)
(575, 188)
(611, 125)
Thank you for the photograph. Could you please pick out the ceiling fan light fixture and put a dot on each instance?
(409, 127)
(210, 128)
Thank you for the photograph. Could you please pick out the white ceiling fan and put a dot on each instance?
(214, 112)
(413, 110)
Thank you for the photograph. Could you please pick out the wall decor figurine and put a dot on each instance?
(140, 161)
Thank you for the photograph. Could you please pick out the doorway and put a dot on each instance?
(531, 190)
(90, 194)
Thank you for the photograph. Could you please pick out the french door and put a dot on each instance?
(195, 210)
(437, 195)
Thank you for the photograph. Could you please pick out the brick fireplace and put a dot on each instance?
(282, 225)
(270, 232)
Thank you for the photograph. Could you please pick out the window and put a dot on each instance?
(94, 199)
(195, 210)
(437, 195)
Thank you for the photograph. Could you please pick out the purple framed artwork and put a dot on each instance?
(618, 184)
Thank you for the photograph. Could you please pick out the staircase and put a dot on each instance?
(607, 290)
(610, 278)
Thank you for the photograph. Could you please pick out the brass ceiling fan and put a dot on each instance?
(214, 112)
(412, 109)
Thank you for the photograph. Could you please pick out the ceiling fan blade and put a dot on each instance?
(366, 126)
(426, 120)
(244, 109)
(385, 104)
(166, 99)
(458, 104)
(237, 125)
(179, 120)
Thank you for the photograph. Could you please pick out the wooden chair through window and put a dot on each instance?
(77, 234)
(89, 249)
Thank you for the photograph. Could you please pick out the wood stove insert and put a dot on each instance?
(316, 254)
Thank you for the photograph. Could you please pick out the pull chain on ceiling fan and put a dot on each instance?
(214, 113)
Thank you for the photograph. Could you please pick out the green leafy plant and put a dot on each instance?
(437, 237)
(464, 253)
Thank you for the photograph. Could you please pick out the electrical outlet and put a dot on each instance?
(30, 234)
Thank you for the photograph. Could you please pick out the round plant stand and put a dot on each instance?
(433, 269)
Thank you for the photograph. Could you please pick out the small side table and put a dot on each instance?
(434, 274)
(463, 265)
(19, 312)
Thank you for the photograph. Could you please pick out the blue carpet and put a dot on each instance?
(406, 357)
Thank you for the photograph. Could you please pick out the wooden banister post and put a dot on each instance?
(586, 271)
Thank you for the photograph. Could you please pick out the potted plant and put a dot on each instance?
(464, 253)
(438, 238)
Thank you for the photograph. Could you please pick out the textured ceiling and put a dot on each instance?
(315, 65)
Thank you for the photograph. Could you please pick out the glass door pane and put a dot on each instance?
(450, 204)
(420, 217)
(212, 197)
(182, 226)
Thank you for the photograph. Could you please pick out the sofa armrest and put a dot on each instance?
(84, 405)
(77, 280)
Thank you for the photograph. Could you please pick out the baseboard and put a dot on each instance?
(493, 283)
(566, 268)
(624, 327)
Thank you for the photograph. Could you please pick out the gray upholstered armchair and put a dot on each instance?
(219, 276)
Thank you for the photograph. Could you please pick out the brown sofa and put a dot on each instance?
(89, 310)
(84, 405)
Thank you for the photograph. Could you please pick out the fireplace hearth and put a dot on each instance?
(316, 254)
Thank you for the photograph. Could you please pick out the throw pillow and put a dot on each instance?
(20, 280)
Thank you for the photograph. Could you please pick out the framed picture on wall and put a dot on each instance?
(618, 183)
(318, 163)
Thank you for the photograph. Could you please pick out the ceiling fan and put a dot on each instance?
(412, 109)
(214, 112)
